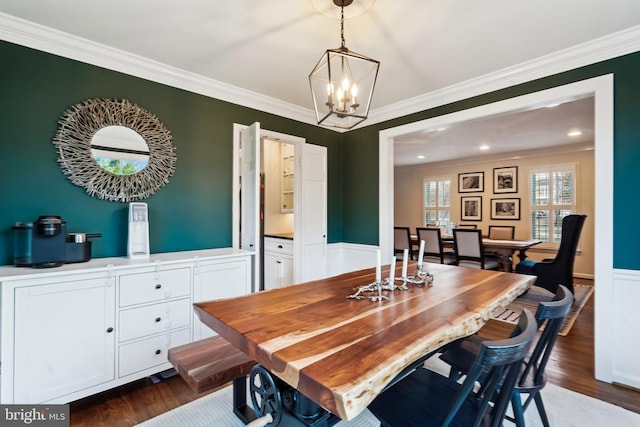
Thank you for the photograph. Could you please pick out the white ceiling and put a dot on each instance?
(269, 47)
(511, 135)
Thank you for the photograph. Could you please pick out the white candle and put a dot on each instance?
(392, 271)
(420, 254)
(378, 267)
(405, 260)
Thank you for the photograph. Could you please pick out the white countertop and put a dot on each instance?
(10, 271)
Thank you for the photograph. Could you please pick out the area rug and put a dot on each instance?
(535, 295)
(565, 408)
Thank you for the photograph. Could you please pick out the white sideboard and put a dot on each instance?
(79, 329)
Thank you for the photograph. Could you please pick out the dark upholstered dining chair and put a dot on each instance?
(467, 244)
(461, 354)
(425, 398)
(402, 241)
(433, 250)
(559, 270)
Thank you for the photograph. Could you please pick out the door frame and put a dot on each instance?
(297, 142)
(602, 90)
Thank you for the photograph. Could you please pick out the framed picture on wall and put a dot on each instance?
(471, 208)
(505, 209)
(472, 182)
(505, 180)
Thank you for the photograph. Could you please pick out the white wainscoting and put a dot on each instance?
(345, 257)
(626, 327)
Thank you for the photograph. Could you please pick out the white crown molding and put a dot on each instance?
(48, 40)
(59, 43)
(608, 47)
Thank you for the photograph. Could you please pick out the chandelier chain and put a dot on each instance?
(342, 24)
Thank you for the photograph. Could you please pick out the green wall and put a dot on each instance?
(361, 195)
(192, 212)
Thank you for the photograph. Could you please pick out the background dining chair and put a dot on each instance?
(402, 241)
(559, 270)
(433, 250)
(469, 250)
(461, 354)
(473, 226)
(502, 232)
(425, 398)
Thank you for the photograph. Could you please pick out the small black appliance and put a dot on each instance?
(44, 243)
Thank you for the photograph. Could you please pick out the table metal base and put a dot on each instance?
(297, 409)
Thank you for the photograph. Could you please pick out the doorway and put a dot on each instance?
(601, 88)
(309, 196)
(277, 213)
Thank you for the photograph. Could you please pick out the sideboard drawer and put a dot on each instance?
(154, 286)
(140, 355)
(282, 246)
(152, 319)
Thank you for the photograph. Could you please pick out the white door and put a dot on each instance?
(310, 240)
(250, 193)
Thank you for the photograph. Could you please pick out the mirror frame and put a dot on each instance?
(76, 128)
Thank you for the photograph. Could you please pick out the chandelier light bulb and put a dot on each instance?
(345, 84)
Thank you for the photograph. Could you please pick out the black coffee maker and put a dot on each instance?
(45, 243)
(40, 243)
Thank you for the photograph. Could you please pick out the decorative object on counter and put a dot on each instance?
(44, 243)
(420, 278)
(114, 149)
(138, 242)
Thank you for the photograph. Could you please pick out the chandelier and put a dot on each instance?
(342, 83)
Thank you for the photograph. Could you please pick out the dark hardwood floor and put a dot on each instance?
(572, 367)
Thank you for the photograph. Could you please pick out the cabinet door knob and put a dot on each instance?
(109, 329)
(158, 286)
(279, 246)
(158, 319)
(158, 351)
(278, 262)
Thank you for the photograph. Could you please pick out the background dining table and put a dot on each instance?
(506, 248)
(341, 352)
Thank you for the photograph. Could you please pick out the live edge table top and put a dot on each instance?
(342, 352)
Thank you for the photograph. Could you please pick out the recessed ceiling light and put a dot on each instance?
(420, 157)
(553, 105)
(441, 129)
(484, 147)
(574, 133)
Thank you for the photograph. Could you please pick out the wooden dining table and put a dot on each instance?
(341, 352)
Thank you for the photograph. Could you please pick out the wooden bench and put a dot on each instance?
(213, 362)
(209, 363)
